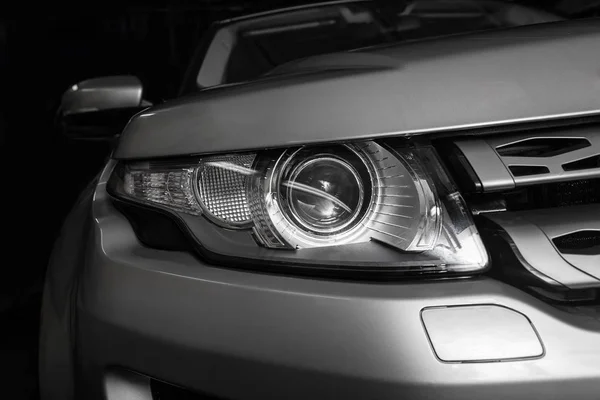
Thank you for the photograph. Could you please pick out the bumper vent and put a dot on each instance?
(582, 242)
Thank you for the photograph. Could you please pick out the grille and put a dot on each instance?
(537, 200)
(559, 194)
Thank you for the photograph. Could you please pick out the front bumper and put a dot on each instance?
(243, 335)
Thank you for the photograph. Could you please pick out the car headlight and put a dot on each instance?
(364, 206)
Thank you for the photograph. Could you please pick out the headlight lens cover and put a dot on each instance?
(369, 206)
(337, 195)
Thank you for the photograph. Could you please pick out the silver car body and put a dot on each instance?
(118, 315)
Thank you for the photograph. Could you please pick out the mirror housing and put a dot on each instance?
(100, 108)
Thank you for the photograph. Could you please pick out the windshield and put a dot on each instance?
(332, 29)
(247, 48)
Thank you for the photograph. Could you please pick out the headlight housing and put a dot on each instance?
(365, 206)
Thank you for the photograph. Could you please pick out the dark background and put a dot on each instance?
(45, 48)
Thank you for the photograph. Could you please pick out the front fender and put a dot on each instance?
(56, 351)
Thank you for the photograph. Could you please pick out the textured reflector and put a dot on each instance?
(222, 186)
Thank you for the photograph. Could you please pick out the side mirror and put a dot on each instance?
(100, 108)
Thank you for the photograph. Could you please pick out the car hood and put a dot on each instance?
(534, 73)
